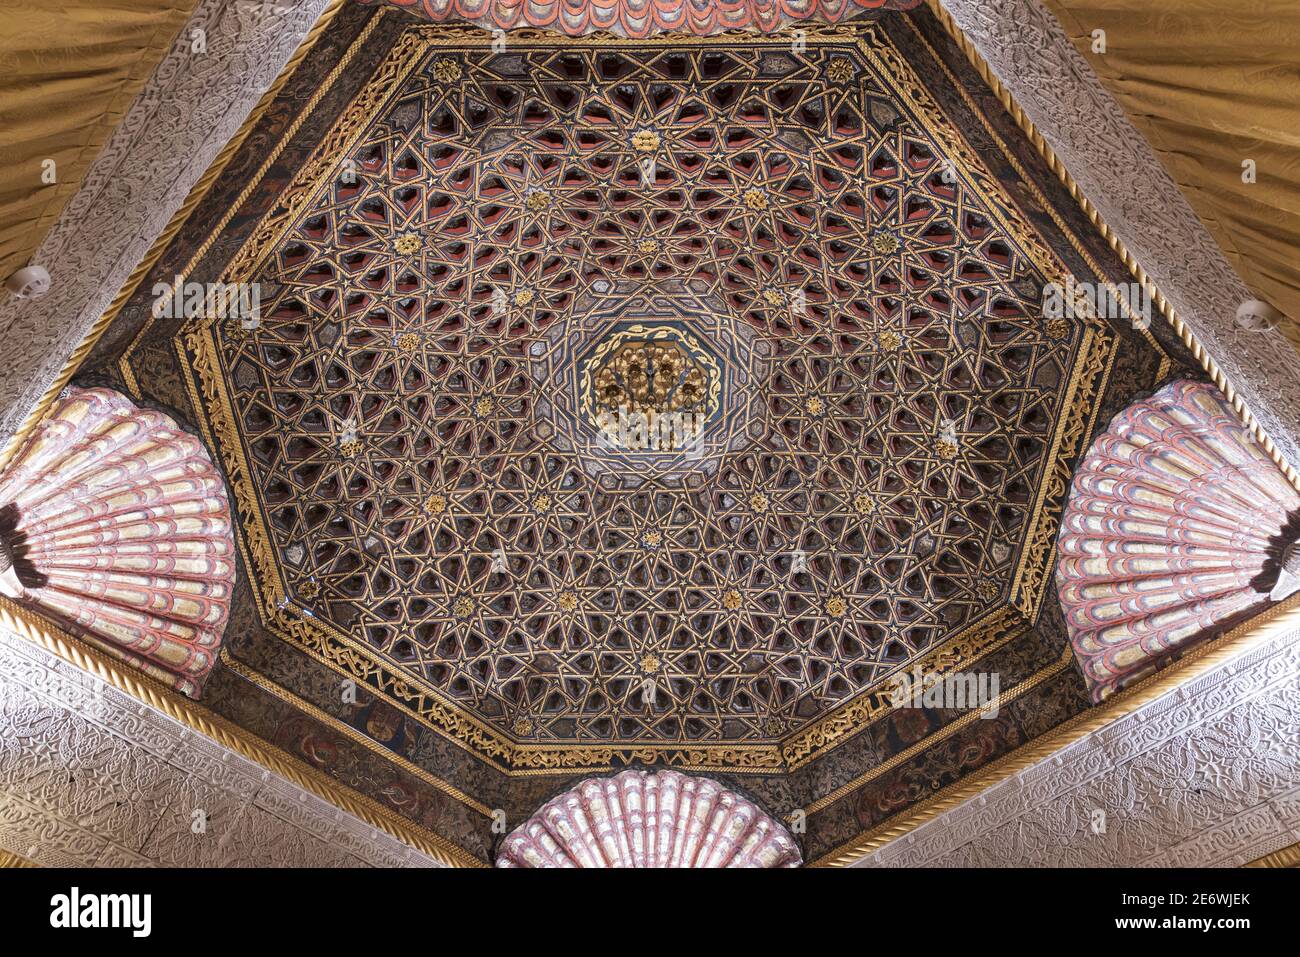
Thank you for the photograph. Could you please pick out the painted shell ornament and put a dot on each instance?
(114, 524)
(1178, 527)
(649, 819)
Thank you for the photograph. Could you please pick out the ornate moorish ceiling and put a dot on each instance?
(459, 589)
(398, 430)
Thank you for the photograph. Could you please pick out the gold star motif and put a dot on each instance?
(483, 406)
(836, 606)
(647, 246)
(446, 71)
(653, 538)
(522, 725)
(349, 448)
(840, 71)
(1057, 328)
(884, 243)
(864, 503)
(986, 590)
(523, 297)
(889, 340)
(731, 600)
(755, 199)
(758, 502)
(435, 504)
(408, 243)
(308, 590)
(945, 449)
(567, 601)
(645, 141)
(542, 503)
(408, 341)
(649, 663)
(537, 201)
(772, 296)
(814, 405)
(464, 607)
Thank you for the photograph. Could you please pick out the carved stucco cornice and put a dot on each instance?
(192, 105)
(18, 623)
(1206, 776)
(89, 776)
(1136, 203)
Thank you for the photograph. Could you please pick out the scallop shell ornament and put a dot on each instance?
(1178, 527)
(649, 819)
(115, 524)
(638, 19)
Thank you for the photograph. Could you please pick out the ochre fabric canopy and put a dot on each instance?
(1211, 83)
(68, 74)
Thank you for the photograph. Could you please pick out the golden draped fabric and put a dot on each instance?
(68, 73)
(1210, 84)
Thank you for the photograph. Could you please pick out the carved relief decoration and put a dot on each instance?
(1206, 776)
(90, 777)
(642, 18)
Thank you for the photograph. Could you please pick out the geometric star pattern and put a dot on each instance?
(389, 416)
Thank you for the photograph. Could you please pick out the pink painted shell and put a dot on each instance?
(118, 527)
(1175, 529)
(649, 819)
(641, 18)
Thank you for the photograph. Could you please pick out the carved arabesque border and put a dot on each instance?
(1208, 775)
(89, 776)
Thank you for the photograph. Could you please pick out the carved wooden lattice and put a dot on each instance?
(874, 507)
